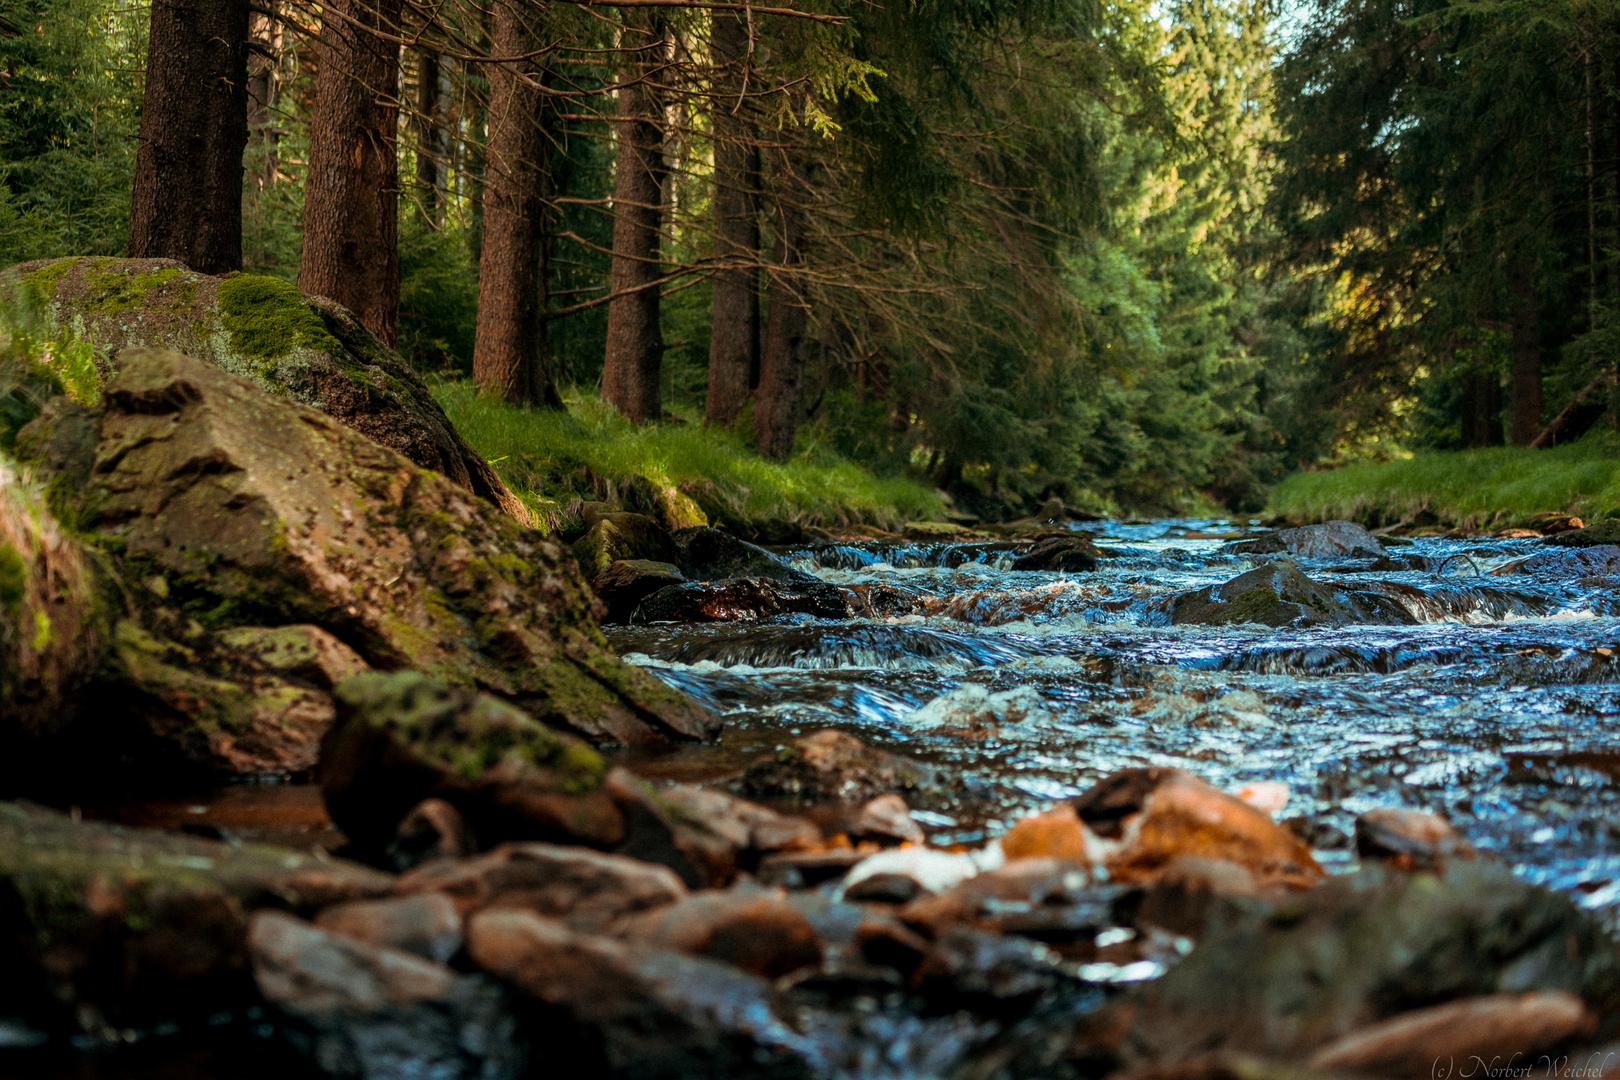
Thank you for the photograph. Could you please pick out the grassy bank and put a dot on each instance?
(1471, 489)
(551, 458)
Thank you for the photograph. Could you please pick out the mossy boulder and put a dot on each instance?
(254, 510)
(1279, 594)
(615, 536)
(302, 347)
(141, 925)
(405, 737)
(668, 505)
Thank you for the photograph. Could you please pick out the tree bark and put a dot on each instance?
(635, 344)
(781, 377)
(187, 200)
(262, 91)
(1526, 406)
(351, 196)
(510, 355)
(428, 168)
(734, 354)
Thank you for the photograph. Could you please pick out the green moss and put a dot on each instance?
(40, 285)
(1251, 605)
(121, 290)
(42, 632)
(13, 578)
(267, 318)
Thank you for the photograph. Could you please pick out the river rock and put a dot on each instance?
(751, 929)
(1493, 1030)
(305, 348)
(300, 520)
(405, 737)
(1153, 816)
(1048, 899)
(1279, 594)
(754, 829)
(1359, 950)
(589, 890)
(714, 555)
(886, 819)
(370, 1011)
(434, 829)
(1409, 839)
(742, 599)
(426, 924)
(142, 925)
(626, 1012)
(1330, 540)
(627, 582)
(1056, 834)
(1597, 534)
(833, 765)
(622, 536)
(1074, 554)
(1600, 560)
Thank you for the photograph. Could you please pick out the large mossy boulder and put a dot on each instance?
(306, 348)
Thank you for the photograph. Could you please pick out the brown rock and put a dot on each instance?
(1056, 834)
(587, 889)
(622, 537)
(743, 599)
(1409, 839)
(1051, 899)
(754, 829)
(432, 830)
(426, 924)
(1074, 554)
(1157, 815)
(802, 869)
(886, 819)
(627, 582)
(1185, 894)
(832, 765)
(303, 652)
(885, 889)
(756, 931)
(1492, 1030)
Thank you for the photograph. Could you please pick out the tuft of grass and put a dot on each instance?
(549, 458)
(1468, 488)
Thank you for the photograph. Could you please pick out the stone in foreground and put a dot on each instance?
(832, 765)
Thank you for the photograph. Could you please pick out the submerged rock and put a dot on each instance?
(370, 1011)
(1279, 594)
(305, 348)
(297, 519)
(406, 737)
(833, 765)
(1326, 541)
(1071, 554)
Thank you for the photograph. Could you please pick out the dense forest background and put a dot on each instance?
(1154, 254)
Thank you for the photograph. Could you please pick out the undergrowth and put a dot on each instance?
(1468, 488)
(550, 458)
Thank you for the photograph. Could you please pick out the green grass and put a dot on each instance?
(549, 458)
(1470, 489)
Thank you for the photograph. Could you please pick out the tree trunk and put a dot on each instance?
(351, 196)
(187, 202)
(427, 143)
(510, 356)
(1526, 407)
(1481, 411)
(734, 345)
(262, 89)
(781, 376)
(635, 344)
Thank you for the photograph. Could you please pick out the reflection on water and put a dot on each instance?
(1495, 707)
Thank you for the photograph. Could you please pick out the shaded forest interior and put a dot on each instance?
(1137, 255)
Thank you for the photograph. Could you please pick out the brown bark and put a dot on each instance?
(1526, 406)
(510, 355)
(428, 169)
(781, 377)
(351, 195)
(734, 354)
(187, 200)
(635, 344)
(1481, 411)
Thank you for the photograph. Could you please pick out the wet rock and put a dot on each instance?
(1326, 541)
(304, 348)
(141, 925)
(742, 599)
(989, 973)
(1061, 553)
(406, 737)
(754, 830)
(628, 537)
(936, 871)
(1048, 899)
(715, 555)
(1056, 834)
(1492, 1028)
(886, 819)
(885, 888)
(627, 1012)
(1596, 534)
(375, 1012)
(303, 652)
(804, 869)
(1191, 891)
(1599, 560)
(748, 928)
(589, 890)
(972, 711)
(426, 924)
(299, 520)
(1361, 949)
(1156, 815)
(54, 621)
(832, 765)
(1279, 594)
(627, 582)
(877, 600)
(1319, 833)
(432, 830)
(1409, 839)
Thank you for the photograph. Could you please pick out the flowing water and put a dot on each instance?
(1498, 708)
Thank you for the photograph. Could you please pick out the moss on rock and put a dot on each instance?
(267, 318)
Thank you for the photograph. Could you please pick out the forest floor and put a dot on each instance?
(1471, 490)
(550, 459)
